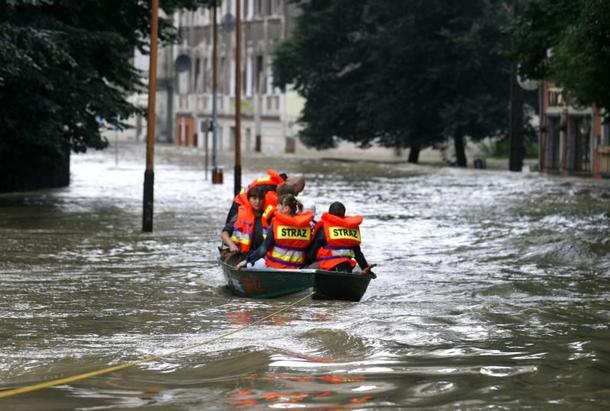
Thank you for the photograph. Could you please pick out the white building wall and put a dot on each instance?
(278, 111)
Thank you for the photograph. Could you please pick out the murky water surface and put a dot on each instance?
(493, 290)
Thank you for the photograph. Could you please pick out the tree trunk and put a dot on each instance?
(517, 148)
(515, 124)
(460, 152)
(414, 153)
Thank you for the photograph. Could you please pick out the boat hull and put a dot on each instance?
(266, 283)
(333, 285)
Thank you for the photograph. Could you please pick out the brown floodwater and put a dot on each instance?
(493, 291)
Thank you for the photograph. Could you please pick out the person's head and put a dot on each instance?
(256, 197)
(287, 204)
(298, 182)
(337, 208)
(284, 176)
(285, 188)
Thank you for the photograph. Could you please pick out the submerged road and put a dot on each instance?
(493, 290)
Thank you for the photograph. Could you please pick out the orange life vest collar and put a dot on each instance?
(299, 220)
(347, 221)
(272, 178)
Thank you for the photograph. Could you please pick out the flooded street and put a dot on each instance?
(493, 289)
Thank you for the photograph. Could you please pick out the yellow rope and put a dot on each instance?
(90, 374)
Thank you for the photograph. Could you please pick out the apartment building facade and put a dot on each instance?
(184, 96)
(573, 139)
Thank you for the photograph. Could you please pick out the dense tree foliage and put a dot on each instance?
(567, 41)
(65, 64)
(404, 74)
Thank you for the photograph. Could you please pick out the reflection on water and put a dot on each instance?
(492, 290)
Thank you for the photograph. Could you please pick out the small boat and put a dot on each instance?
(335, 285)
(328, 285)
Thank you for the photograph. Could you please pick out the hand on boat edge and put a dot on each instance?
(241, 264)
(368, 271)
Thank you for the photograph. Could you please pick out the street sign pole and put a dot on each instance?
(149, 174)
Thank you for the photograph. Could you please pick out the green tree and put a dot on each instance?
(566, 41)
(404, 74)
(325, 58)
(64, 64)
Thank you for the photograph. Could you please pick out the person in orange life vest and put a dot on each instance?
(287, 239)
(246, 229)
(336, 243)
(267, 183)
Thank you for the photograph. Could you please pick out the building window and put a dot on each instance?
(579, 144)
(223, 75)
(258, 74)
(552, 144)
(246, 85)
(249, 6)
(232, 138)
(232, 79)
(183, 67)
(290, 145)
(269, 84)
(219, 138)
(196, 81)
(205, 80)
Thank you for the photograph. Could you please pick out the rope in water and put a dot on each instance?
(79, 377)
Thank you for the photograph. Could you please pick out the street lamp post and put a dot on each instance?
(217, 177)
(149, 174)
(237, 175)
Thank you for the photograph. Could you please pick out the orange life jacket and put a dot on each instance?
(292, 236)
(270, 206)
(243, 229)
(270, 199)
(342, 235)
(271, 179)
(242, 198)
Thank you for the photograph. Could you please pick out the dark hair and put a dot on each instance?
(290, 201)
(284, 176)
(256, 191)
(337, 208)
(285, 188)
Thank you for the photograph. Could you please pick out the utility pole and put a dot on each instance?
(149, 174)
(237, 182)
(217, 177)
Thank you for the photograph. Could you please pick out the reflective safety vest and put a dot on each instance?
(292, 236)
(271, 179)
(243, 228)
(342, 235)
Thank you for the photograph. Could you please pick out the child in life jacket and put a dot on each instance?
(336, 243)
(245, 231)
(287, 239)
